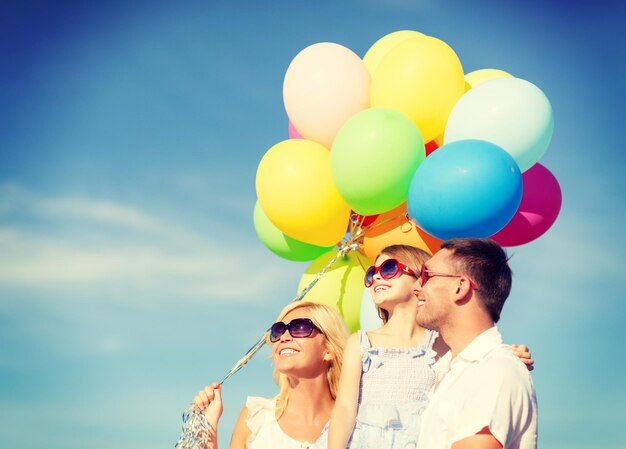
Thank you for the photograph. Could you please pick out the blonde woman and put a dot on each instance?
(307, 343)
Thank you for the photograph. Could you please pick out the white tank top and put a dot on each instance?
(267, 434)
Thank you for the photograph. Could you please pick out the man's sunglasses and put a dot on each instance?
(427, 274)
(298, 328)
(388, 269)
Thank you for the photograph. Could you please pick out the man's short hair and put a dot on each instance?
(485, 262)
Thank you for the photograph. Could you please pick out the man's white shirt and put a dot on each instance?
(485, 385)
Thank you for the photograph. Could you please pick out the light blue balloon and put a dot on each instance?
(469, 188)
(510, 112)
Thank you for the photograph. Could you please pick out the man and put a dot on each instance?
(484, 396)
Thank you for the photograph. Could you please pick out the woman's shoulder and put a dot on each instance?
(265, 432)
(260, 410)
(258, 402)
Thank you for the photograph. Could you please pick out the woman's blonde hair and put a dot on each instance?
(335, 333)
(411, 256)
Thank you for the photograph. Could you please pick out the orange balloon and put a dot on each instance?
(395, 228)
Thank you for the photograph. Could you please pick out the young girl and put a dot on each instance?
(387, 373)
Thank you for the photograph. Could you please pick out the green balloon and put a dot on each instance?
(281, 244)
(373, 159)
(341, 286)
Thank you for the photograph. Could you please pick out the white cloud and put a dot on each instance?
(67, 209)
(13, 198)
(99, 247)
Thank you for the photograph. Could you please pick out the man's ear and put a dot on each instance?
(463, 289)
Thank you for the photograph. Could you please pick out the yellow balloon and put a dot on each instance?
(439, 140)
(477, 77)
(423, 78)
(297, 193)
(341, 286)
(382, 46)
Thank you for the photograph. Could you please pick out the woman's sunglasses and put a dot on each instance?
(388, 269)
(298, 328)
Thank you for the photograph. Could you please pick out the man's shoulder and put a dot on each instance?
(501, 364)
(502, 356)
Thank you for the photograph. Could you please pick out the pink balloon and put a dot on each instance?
(541, 203)
(293, 132)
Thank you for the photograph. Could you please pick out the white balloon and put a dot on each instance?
(509, 112)
(325, 85)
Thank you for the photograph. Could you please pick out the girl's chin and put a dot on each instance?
(381, 300)
(378, 300)
(382, 297)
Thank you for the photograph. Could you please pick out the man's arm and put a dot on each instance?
(482, 440)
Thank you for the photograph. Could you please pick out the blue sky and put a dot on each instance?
(130, 271)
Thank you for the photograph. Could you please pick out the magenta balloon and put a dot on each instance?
(293, 132)
(541, 203)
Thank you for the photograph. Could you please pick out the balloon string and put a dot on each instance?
(349, 245)
(357, 221)
(196, 432)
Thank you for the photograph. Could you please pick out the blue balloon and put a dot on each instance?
(467, 188)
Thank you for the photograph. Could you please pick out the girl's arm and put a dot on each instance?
(241, 432)
(343, 417)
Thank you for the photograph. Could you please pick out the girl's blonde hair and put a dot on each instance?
(411, 256)
(335, 335)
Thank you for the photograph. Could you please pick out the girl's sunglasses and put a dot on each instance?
(298, 328)
(388, 269)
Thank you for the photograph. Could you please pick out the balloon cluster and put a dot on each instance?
(407, 148)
